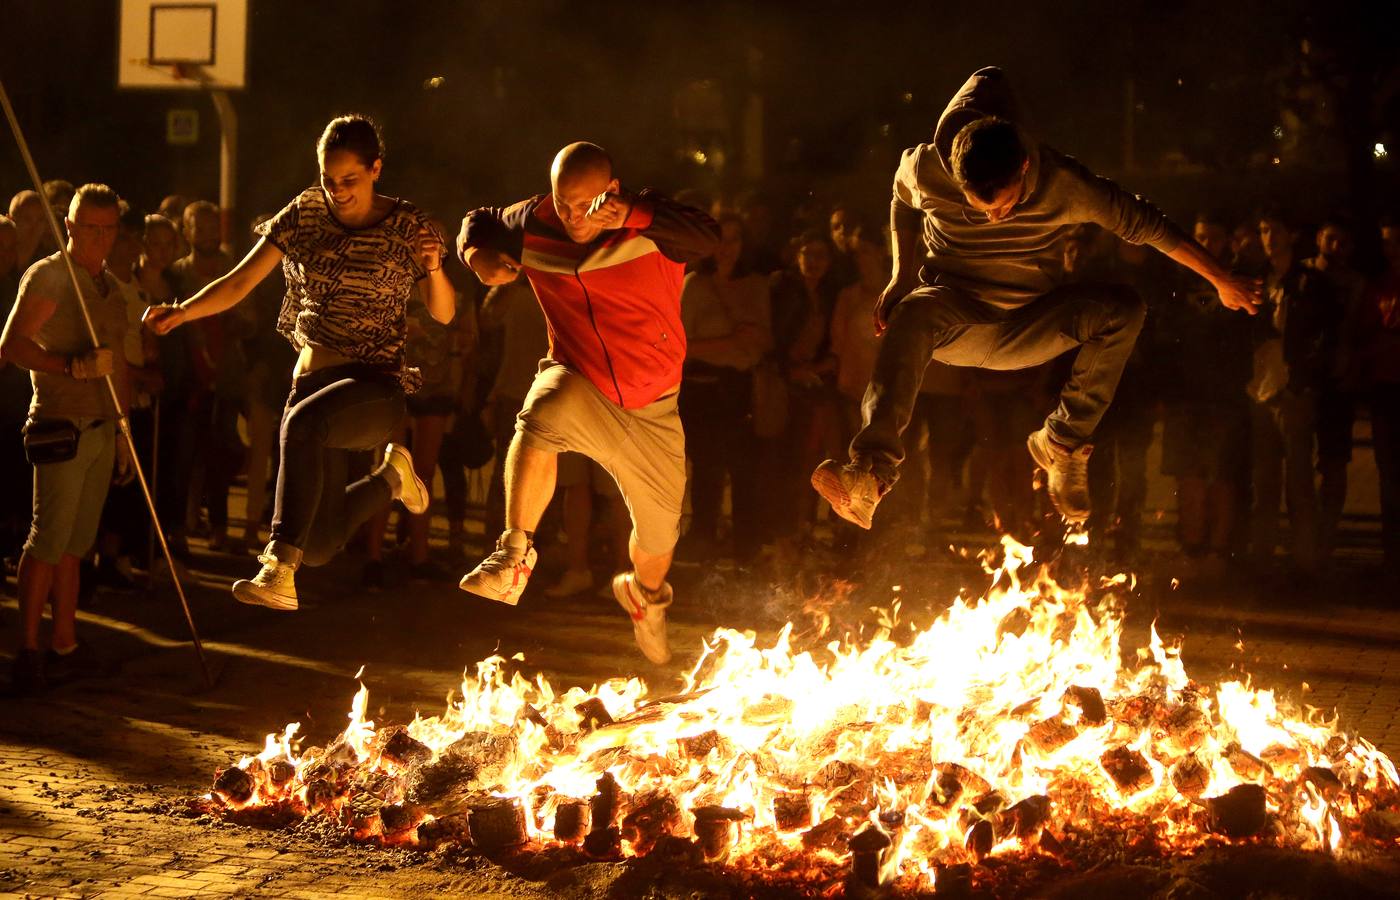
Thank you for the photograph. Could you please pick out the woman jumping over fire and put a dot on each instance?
(353, 259)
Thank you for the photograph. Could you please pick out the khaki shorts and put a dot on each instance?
(68, 496)
(576, 470)
(642, 449)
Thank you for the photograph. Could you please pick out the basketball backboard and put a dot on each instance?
(182, 44)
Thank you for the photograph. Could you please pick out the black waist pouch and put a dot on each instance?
(50, 441)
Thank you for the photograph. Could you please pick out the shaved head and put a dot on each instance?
(580, 160)
(580, 174)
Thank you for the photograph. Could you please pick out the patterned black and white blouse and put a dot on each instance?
(348, 289)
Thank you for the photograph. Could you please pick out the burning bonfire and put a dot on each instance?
(1010, 727)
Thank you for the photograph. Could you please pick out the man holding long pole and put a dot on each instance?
(71, 433)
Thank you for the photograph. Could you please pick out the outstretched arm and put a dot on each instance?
(221, 294)
(1235, 292)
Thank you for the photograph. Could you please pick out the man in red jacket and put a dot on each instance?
(607, 266)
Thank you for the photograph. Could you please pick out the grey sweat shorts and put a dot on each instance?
(642, 449)
(68, 496)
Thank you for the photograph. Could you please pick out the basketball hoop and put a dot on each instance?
(182, 44)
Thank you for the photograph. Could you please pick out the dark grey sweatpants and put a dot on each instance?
(1102, 320)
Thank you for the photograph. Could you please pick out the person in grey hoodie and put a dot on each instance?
(977, 220)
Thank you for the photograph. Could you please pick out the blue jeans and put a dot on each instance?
(938, 322)
(331, 414)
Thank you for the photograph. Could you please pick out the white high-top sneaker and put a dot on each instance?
(502, 576)
(648, 615)
(274, 586)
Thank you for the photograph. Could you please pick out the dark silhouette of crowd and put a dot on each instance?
(1257, 415)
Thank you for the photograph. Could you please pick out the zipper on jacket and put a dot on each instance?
(588, 299)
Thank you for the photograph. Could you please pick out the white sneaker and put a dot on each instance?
(648, 616)
(502, 576)
(412, 492)
(1066, 474)
(573, 582)
(274, 586)
(853, 492)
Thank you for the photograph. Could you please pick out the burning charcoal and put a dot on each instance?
(1246, 764)
(715, 828)
(1135, 712)
(1049, 735)
(551, 734)
(989, 804)
(498, 824)
(792, 811)
(699, 746)
(1090, 703)
(234, 785)
(954, 881)
(1128, 769)
(1324, 779)
(396, 818)
(828, 835)
(953, 781)
(1025, 709)
(868, 846)
(981, 838)
(339, 753)
(892, 822)
(654, 814)
(571, 821)
(1025, 819)
(1051, 844)
(380, 785)
(838, 773)
(453, 829)
(604, 839)
(595, 715)
(320, 792)
(1239, 812)
(1279, 755)
(1014, 623)
(361, 814)
(945, 790)
(280, 772)
(403, 750)
(1184, 730)
(1336, 747)
(1383, 825)
(607, 803)
(1191, 777)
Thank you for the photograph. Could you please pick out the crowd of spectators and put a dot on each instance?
(1256, 414)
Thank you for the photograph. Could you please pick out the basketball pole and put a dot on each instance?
(123, 426)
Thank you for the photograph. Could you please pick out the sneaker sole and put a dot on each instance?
(1032, 446)
(828, 484)
(421, 499)
(509, 599)
(247, 592)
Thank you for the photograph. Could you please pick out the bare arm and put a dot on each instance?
(18, 346)
(436, 290)
(221, 294)
(1235, 292)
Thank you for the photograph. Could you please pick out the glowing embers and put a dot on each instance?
(1010, 725)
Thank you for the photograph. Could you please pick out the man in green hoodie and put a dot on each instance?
(977, 220)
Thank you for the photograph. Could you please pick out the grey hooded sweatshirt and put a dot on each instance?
(1014, 261)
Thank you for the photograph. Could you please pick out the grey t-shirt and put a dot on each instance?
(1014, 261)
(58, 396)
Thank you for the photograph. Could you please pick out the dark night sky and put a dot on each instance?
(524, 76)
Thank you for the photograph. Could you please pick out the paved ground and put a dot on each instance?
(89, 793)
